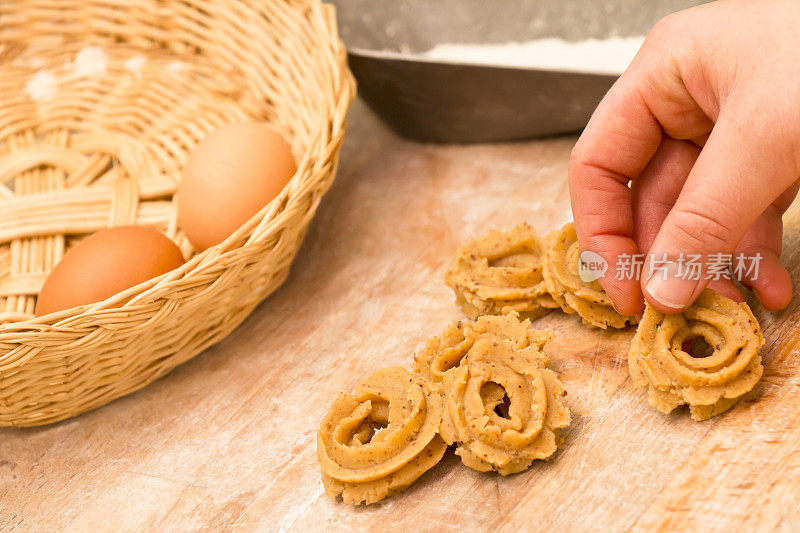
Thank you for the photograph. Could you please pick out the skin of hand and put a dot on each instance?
(695, 150)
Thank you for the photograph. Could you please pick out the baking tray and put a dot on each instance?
(437, 101)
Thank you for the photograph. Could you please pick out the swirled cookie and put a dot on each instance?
(501, 272)
(449, 349)
(381, 438)
(567, 288)
(502, 409)
(711, 380)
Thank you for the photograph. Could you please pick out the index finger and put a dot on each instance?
(620, 139)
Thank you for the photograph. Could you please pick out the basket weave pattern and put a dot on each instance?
(100, 103)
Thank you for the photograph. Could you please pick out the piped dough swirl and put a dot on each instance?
(448, 350)
(503, 409)
(500, 273)
(381, 438)
(572, 294)
(711, 384)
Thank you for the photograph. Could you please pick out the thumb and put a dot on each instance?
(741, 170)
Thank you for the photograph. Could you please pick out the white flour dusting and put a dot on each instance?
(42, 86)
(606, 56)
(90, 61)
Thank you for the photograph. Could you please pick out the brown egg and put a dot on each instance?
(106, 263)
(234, 172)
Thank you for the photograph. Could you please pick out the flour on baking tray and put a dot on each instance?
(602, 56)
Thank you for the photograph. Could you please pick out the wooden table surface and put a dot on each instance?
(227, 441)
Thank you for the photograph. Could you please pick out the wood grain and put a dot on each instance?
(227, 440)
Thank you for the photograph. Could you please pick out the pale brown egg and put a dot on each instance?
(105, 263)
(231, 174)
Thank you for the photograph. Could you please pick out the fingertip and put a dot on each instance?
(626, 296)
(666, 289)
(773, 287)
(619, 279)
(726, 288)
(657, 302)
(632, 308)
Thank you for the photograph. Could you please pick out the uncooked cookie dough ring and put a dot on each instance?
(502, 409)
(502, 272)
(449, 349)
(709, 384)
(573, 294)
(381, 438)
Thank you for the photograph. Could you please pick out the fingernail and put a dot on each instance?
(668, 287)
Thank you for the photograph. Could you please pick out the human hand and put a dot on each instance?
(705, 125)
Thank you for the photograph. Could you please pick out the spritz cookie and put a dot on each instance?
(447, 351)
(573, 294)
(502, 272)
(502, 408)
(706, 357)
(381, 438)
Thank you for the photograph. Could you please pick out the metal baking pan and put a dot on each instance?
(455, 102)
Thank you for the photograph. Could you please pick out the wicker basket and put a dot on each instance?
(100, 102)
